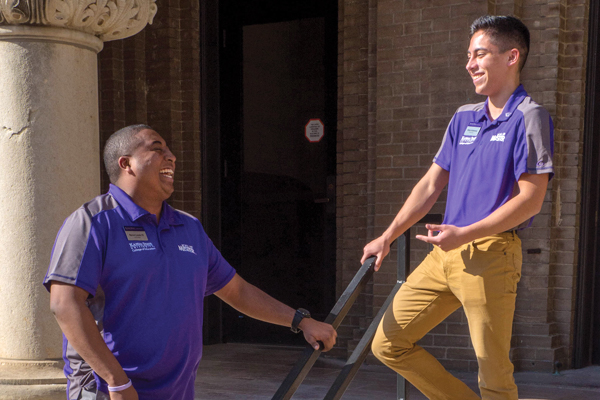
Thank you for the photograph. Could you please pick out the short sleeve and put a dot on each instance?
(220, 272)
(77, 253)
(443, 158)
(534, 151)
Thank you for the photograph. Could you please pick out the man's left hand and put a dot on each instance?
(315, 331)
(449, 236)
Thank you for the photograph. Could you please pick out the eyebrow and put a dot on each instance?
(478, 49)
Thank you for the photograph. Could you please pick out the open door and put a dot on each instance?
(278, 67)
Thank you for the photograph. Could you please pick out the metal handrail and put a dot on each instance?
(359, 354)
(337, 314)
(309, 356)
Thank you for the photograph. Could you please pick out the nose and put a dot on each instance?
(471, 64)
(170, 156)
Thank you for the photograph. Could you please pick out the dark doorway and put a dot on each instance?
(587, 319)
(278, 71)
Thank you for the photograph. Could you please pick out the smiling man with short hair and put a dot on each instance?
(127, 281)
(496, 159)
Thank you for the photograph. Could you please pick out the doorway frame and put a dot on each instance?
(232, 21)
(211, 40)
(210, 128)
(587, 311)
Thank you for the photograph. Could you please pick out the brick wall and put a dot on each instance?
(572, 51)
(154, 78)
(353, 156)
(401, 78)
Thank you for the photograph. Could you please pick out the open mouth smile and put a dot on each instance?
(167, 172)
(477, 76)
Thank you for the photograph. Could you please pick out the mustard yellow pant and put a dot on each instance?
(481, 276)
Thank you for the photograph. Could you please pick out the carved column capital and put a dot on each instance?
(105, 19)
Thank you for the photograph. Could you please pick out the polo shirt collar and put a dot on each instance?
(169, 216)
(511, 105)
(135, 212)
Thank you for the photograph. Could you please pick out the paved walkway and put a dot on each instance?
(253, 372)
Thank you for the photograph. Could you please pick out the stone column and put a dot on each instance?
(50, 158)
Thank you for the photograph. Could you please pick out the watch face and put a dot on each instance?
(301, 313)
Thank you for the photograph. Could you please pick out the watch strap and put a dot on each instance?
(301, 313)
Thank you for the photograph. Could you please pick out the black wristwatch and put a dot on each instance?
(301, 313)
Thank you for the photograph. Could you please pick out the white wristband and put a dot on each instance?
(119, 388)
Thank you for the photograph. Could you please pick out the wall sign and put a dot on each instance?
(314, 130)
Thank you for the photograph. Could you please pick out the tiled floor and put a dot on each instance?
(252, 372)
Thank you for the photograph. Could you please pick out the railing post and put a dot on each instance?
(359, 354)
(402, 271)
(335, 317)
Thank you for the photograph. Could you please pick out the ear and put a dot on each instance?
(125, 164)
(513, 57)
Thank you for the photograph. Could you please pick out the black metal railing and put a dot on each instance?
(337, 314)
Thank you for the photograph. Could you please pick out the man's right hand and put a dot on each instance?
(128, 394)
(315, 331)
(378, 248)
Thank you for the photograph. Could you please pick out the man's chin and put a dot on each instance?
(479, 90)
(168, 192)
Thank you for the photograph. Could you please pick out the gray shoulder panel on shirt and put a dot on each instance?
(538, 129)
(72, 240)
(101, 203)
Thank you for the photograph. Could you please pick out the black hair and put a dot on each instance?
(120, 143)
(506, 32)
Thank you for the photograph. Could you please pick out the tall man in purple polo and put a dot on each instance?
(495, 158)
(128, 277)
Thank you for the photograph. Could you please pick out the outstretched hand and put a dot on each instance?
(315, 331)
(449, 236)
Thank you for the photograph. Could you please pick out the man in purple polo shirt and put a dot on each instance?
(496, 158)
(127, 281)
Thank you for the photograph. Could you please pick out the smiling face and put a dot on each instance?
(151, 168)
(492, 71)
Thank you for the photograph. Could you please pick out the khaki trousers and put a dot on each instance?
(481, 276)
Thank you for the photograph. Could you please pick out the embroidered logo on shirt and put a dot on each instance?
(467, 140)
(498, 137)
(143, 246)
(186, 247)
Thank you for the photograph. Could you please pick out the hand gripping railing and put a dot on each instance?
(309, 356)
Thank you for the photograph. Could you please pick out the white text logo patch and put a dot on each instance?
(498, 137)
(143, 246)
(186, 247)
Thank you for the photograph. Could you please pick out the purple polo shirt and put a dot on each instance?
(147, 284)
(486, 158)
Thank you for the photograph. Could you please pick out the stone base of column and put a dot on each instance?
(32, 380)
